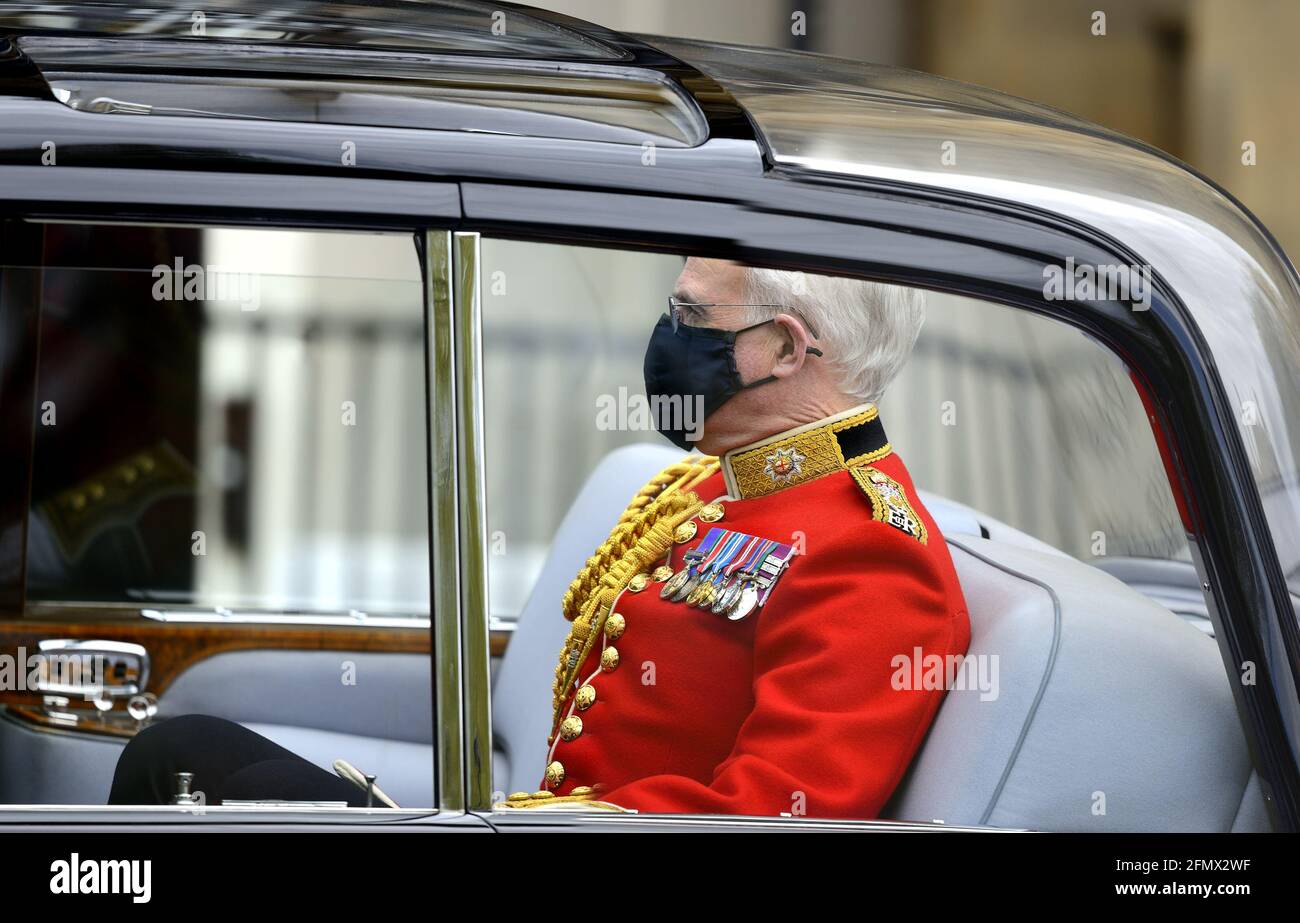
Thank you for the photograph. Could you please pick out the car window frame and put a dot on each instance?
(994, 251)
(426, 210)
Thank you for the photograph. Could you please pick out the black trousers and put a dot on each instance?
(228, 762)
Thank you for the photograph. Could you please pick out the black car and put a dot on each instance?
(287, 299)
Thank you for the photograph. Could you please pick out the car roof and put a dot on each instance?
(464, 26)
(460, 65)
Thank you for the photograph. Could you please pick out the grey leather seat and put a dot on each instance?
(1111, 713)
(381, 723)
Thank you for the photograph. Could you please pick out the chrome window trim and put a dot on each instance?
(57, 609)
(444, 555)
(357, 620)
(222, 818)
(472, 496)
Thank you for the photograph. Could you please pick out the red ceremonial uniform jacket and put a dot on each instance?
(806, 706)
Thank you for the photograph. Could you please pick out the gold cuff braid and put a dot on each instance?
(588, 801)
(642, 536)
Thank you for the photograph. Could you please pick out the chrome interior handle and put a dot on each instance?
(92, 668)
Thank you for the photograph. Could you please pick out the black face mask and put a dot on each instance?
(691, 372)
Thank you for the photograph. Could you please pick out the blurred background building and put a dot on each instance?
(1195, 78)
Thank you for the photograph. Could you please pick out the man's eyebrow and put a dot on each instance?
(684, 296)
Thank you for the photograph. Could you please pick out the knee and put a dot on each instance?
(171, 736)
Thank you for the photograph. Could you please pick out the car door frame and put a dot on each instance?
(992, 250)
(186, 194)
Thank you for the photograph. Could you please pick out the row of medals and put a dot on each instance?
(733, 597)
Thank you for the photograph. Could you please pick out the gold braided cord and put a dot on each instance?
(642, 537)
(681, 476)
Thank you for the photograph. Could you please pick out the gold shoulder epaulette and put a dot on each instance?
(889, 502)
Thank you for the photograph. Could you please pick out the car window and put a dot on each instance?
(1017, 416)
(227, 531)
(229, 420)
(997, 528)
(1036, 425)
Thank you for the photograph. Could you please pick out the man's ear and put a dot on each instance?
(793, 350)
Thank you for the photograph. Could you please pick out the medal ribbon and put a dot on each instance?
(704, 550)
(722, 551)
(726, 562)
(757, 555)
(741, 559)
(781, 556)
(692, 559)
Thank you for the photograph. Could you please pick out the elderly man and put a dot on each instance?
(745, 640)
(776, 595)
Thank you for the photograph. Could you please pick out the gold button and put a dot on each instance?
(609, 659)
(662, 573)
(520, 796)
(555, 774)
(615, 625)
(96, 491)
(711, 512)
(539, 795)
(685, 532)
(571, 728)
(586, 697)
(638, 583)
(582, 790)
(146, 463)
(78, 501)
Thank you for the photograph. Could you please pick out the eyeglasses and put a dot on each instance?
(676, 309)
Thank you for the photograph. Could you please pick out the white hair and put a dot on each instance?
(865, 329)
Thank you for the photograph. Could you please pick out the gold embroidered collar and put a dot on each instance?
(854, 437)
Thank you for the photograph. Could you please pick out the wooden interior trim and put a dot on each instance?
(175, 647)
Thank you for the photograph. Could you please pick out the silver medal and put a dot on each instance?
(744, 603)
